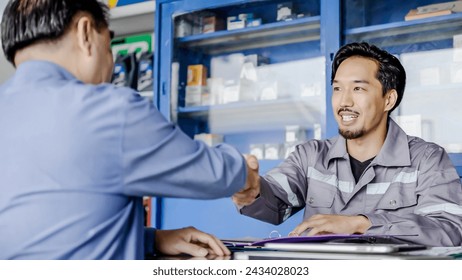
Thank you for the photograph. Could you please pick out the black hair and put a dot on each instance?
(390, 73)
(26, 22)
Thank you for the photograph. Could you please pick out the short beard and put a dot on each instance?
(348, 134)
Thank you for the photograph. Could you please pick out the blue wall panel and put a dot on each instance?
(221, 218)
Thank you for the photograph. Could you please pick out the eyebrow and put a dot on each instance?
(355, 81)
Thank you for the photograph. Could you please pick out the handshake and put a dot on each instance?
(314, 225)
(251, 190)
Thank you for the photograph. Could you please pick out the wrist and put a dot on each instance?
(363, 224)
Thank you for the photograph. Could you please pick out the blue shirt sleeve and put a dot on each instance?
(160, 160)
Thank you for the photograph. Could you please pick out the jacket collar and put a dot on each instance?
(394, 152)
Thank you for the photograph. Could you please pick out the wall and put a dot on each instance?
(6, 69)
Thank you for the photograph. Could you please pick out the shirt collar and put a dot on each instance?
(394, 152)
(35, 70)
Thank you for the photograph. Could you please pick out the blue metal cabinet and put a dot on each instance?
(432, 104)
(299, 51)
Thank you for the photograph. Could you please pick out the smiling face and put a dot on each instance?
(358, 103)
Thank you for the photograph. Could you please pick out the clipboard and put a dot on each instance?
(345, 248)
(339, 238)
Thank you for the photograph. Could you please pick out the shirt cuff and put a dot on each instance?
(379, 224)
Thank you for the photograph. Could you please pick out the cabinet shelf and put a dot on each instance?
(133, 18)
(267, 35)
(258, 115)
(408, 32)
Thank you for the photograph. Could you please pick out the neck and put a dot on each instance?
(37, 52)
(369, 145)
(56, 52)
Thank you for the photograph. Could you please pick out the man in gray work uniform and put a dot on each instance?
(370, 179)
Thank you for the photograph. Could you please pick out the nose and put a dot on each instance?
(346, 99)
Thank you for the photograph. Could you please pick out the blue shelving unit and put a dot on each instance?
(307, 37)
(329, 25)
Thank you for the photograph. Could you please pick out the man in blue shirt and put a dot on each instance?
(78, 154)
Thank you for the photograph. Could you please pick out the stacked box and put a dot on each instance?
(212, 23)
(197, 75)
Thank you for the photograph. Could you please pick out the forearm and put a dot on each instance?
(204, 173)
(268, 207)
(442, 230)
(168, 162)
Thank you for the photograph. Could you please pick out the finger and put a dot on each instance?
(252, 162)
(210, 241)
(241, 199)
(191, 249)
(251, 192)
(243, 202)
(298, 230)
(313, 231)
(242, 194)
(244, 198)
(226, 251)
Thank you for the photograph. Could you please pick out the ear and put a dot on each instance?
(390, 99)
(84, 35)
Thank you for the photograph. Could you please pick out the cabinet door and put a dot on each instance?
(252, 73)
(430, 50)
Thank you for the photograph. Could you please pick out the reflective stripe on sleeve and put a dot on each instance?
(287, 213)
(282, 180)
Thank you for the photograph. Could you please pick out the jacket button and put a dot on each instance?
(310, 200)
(393, 202)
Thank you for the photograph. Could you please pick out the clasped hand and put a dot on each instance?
(251, 189)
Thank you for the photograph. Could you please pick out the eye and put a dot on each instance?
(359, 89)
(336, 89)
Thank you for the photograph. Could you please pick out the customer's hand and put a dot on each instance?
(251, 189)
(189, 241)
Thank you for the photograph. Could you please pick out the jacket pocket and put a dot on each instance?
(397, 197)
(320, 197)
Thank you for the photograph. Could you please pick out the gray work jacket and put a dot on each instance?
(410, 188)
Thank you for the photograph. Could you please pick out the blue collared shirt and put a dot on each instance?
(76, 159)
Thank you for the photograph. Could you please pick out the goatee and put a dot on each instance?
(348, 134)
